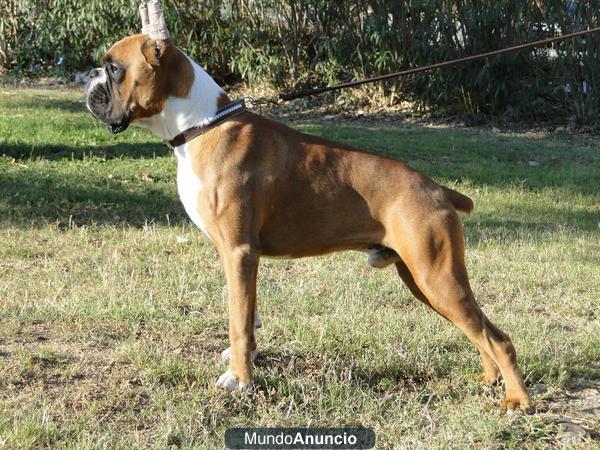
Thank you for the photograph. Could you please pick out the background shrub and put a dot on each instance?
(290, 44)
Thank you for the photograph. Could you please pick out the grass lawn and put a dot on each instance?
(113, 306)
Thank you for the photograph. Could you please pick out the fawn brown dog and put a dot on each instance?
(258, 188)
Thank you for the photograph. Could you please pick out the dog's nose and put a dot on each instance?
(94, 73)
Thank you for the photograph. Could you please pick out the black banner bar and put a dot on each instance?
(300, 438)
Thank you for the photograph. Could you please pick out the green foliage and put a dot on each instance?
(36, 33)
(296, 44)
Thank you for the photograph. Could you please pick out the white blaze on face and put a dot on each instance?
(100, 79)
(189, 186)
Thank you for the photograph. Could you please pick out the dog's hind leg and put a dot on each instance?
(434, 258)
(490, 369)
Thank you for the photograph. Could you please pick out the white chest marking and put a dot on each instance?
(189, 186)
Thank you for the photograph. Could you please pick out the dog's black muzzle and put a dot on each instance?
(99, 100)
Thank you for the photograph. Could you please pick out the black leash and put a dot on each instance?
(308, 92)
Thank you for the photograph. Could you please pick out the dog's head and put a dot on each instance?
(138, 74)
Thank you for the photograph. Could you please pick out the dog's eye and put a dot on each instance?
(115, 72)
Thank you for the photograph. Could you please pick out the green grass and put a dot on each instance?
(113, 309)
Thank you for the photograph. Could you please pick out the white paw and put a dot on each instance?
(230, 382)
(226, 354)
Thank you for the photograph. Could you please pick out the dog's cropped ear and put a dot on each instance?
(153, 20)
(153, 51)
(154, 26)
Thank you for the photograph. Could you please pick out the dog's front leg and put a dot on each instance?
(226, 354)
(241, 266)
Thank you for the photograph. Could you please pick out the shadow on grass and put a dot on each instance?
(33, 199)
(298, 365)
(543, 219)
(441, 153)
(59, 152)
(401, 376)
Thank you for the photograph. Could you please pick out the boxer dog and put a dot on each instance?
(258, 188)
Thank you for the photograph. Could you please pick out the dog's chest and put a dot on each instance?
(189, 187)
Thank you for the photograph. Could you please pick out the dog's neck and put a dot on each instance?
(179, 114)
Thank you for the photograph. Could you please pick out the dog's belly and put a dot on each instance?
(318, 227)
(189, 186)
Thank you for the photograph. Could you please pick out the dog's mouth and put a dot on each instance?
(99, 101)
(116, 128)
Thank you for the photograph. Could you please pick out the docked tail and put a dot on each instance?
(461, 202)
